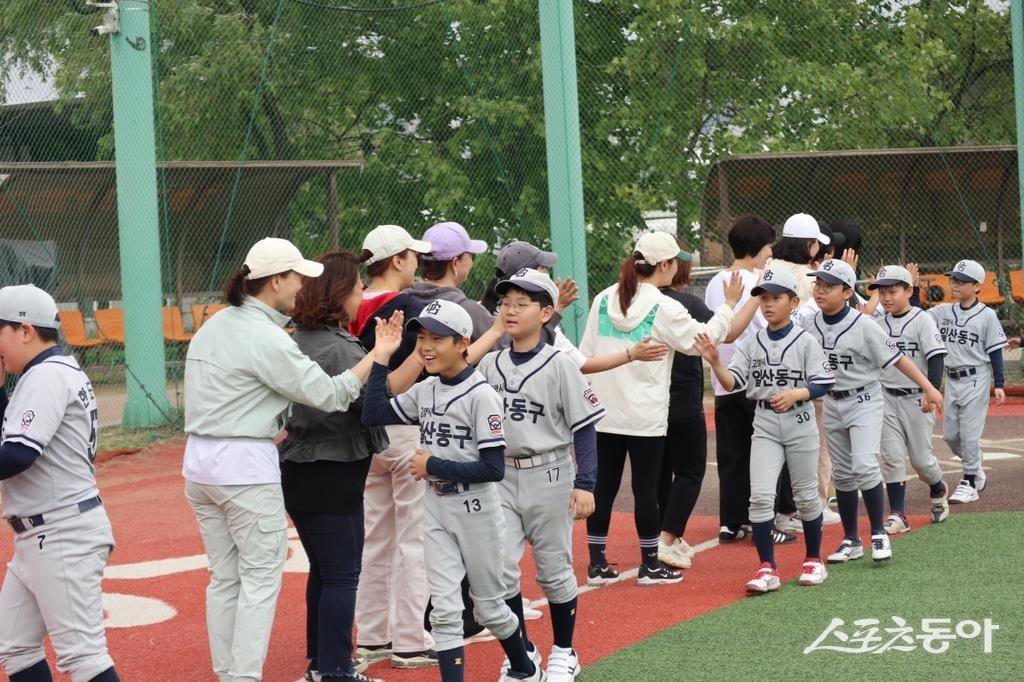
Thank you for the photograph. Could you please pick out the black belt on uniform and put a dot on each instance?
(839, 395)
(448, 487)
(900, 392)
(22, 524)
(768, 406)
(960, 373)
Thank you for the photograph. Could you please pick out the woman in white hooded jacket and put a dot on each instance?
(636, 395)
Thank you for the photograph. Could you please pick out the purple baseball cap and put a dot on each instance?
(450, 240)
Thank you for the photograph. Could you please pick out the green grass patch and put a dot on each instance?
(966, 569)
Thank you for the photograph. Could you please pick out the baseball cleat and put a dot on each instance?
(781, 537)
(849, 550)
(414, 659)
(896, 524)
(881, 548)
(563, 665)
(374, 652)
(765, 580)
(601, 575)
(829, 517)
(538, 675)
(789, 523)
(673, 555)
(940, 508)
(661, 575)
(533, 653)
(814, 572)
(964, 493)
(730, 534)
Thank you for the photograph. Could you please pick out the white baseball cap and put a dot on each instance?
(528, 279)
(271, 256)
(968, 271)
(27, 304)
(656, 247)
(775, 282)
(835, 271)
(803, 226)
(892, 274)
(443, 318)
(385, 241)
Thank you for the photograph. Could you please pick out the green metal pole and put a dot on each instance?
(562, 135)
(1017, 33)
(137, 216)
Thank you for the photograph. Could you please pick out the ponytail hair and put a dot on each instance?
(629, 278)
(490, 298)
(238, 287)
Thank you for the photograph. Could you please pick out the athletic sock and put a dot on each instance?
(37, 672)
(596, 545)
(516, 604)
(938, 489)
(452, 664)
(847, 502)
(649, 552)
(970, 479)
(764, 541)
(563, 622)
(515, 650)
(897, 497)
(874, 502)
(812, 537)
(108, 675)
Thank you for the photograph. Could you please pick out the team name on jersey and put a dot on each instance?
(912, 348)
(442, 434)
(837, 360)
(781, 376)
(518, 409)
(951, 334)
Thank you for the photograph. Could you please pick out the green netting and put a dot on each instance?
(319, 119)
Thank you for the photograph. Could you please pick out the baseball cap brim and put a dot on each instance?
(419, 246)
(477, 246)
(547, 259)
(963, 277)
(828, 277)
(432, 325)
(502, 287)
(771, 288)
(885, 283)
(309, 268)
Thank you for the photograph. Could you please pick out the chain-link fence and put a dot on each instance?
(319, 119)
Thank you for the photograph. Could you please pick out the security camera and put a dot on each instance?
(111, 24)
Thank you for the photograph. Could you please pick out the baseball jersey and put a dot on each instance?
(916, 334)
(765, 366)
(970, 335)
(546, 400)
(456, 422)
(856, 347)
(53, 411)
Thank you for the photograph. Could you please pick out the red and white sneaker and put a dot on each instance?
(814, 572)
(766, 580)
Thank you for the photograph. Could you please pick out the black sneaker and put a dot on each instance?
(374, 652)
(414, 659)
(731, 533)
(601, 575)
(662, 575)
(354, 677)
(781, 537)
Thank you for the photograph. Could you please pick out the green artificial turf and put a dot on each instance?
(969, 568)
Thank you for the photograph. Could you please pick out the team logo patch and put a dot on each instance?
(891, 344)
(494, 424)
(591, 397)
(881, 273)
(26, 419)
(828, 265)
(433, 309)
(938, 338)
(521, 273)
(767, 276)
(961, 266)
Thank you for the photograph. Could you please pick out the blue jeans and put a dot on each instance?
(334, 545)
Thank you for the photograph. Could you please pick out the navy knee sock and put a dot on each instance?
(847, 501)
(516, 604)
(764, 541)
(515, 649)
(970, 479)
(563, 622)
(108, 675)
(938, 489)
(897, 497)
(38, 672)
(812, 537)
(452, 664)
(874, 502)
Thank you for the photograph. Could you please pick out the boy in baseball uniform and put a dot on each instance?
(783, 369)
(462, 456)
(974, 340)
(62, 536)
(858, 351)
(549, 407)
(905, 428)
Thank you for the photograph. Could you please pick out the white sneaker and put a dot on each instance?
(766, 580)
(482, 636)
(538, 676)
(940, 506)
(534, 656)
(814, 572)
(881, 549)
(829, 517)
(848, 551)
(896, 524)
(789, 523)
(530, 613)
(673, 555)
(964, 493)
(563, 665)
(682, 544)
(981, 480)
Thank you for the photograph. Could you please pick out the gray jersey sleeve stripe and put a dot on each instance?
(821, 380)
(740, 381)
(588, 420)
(31, 442)
(490, 442)
(1002, 344)
(400, 412)
(937, 351)
(893, 359)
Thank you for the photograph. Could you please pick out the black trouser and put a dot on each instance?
(645, 453)
(469, 625)
(334, 545)
(682, 472)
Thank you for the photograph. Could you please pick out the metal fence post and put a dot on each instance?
(562, 138)
(137, 216)
(1017, 35)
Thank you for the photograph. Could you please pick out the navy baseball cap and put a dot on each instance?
(443, 318)
(775, 282)
(835, 271)
(968, 271)
(889, 275)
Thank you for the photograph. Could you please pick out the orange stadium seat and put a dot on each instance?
(934, 285)
(111, 324)
(201, 312)
(1017, 285)
(174, 326)
(72, 322)
(990, 294)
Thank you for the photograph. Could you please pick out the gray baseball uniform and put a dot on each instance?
(766, 364)
(62, 534)
(970, 335)
(546, 401)
(905, 428)
(857, 350)
(464, 530)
